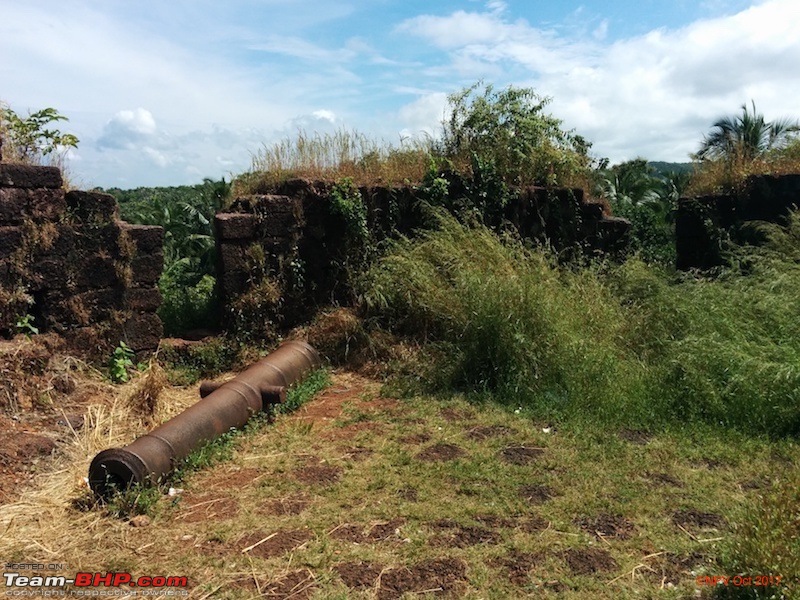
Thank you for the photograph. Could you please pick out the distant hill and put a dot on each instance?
(665, 168)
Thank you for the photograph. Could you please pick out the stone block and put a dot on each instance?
(92, 206)
(50, 273)
(234, 283)
(96, 271)
(146, 269)
(149, 239)
(233, 257)
(94, 238)
(278, 216)
(62, 311)
(10, 241)
(143, 331)
(46, 205)
(143, 299)
(29, 176)
(235, 226)
(13, 205)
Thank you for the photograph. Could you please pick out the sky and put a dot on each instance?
(167, 93)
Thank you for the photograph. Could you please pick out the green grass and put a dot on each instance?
(626, 345)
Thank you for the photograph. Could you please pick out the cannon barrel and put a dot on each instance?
(222, 407)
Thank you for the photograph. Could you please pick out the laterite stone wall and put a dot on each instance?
(69, 261)
(291, 237)
(703, 222)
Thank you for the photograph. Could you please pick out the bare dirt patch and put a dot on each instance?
(520, 455)
(408, 493)
(698, 519)
(664, 479)
(439, 576)
(454, 535)
(518, 565)
(358, 575)
(483, 432)
(297, 585)
(441, 452)
(588, 561)
(378, 532)
(535, 493)
(357, 453)
(672, 568)
(267, 545)
(451, 415)
(195, 508)
(640, 437)
(415, 439)
(290, 505)
(607, 526)
(317, 474)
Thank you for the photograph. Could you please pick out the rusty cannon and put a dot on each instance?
(222, 407)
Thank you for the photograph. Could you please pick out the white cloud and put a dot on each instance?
(424, 115)
(127, 128)
(654, 94)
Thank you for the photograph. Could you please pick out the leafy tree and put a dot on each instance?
(510, 130)
(746, 136)
(30, 139)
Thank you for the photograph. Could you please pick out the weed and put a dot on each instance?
(25, 325)
(135, 500)
(120, 363)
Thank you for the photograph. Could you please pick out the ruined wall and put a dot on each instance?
(67, 260)
(291, 238)
(704, 223)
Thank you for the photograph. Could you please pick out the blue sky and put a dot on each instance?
(166, 93)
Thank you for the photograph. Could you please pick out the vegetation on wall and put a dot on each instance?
(744, 145)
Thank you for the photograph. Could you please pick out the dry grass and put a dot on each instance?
(333, 156)
(722, 177)
(345, 477)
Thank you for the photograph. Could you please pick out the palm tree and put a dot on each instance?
(746, 137)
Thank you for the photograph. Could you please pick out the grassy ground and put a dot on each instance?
(360, 496)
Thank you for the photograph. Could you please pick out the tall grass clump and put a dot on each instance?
(635, 344)
(505, 320)
(335, 156)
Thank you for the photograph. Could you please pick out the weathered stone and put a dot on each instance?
(143, 299)
(13, 204)
(146, 269)
(46, 205)
(149, 239)
(143, 331)
(278, 216)
(62, 311)
(92, 206)
(233, 257)
(235, 226)
(98, 238)
(50, 273)
(10, 241)
(96, 272)
(29, 176)
(234, 283)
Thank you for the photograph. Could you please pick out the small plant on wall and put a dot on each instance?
(351, 244)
